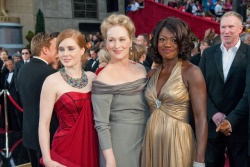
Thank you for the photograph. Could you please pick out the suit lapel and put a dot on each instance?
(218, 61)
(240, 55)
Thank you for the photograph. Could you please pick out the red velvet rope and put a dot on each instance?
(12, 100)
(15, 145)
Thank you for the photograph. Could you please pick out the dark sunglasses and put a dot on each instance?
(25, 53)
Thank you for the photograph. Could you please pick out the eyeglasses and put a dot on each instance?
(26, 53)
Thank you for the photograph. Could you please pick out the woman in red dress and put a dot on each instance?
(75, 144)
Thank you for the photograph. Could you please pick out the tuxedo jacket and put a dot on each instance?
(242, 110)
(88, 65)
(14, 115)
(18, 65)
(224, 96)
(95, 66)
(196, 59)
(30, 79)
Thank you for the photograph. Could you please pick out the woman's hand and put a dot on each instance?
(111, 164)
(109, 157)
(52, 163)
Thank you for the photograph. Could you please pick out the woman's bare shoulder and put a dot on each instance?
(152, 72)
(91, 76)
(191, 72)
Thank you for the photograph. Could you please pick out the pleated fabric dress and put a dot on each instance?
(169, 139)
(120, 114)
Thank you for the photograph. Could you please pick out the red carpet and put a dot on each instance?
(226, 162)
(145, 19)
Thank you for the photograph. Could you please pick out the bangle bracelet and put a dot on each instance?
(197, 164)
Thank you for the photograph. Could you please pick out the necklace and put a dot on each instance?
(78, 82)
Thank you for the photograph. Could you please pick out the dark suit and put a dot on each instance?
(30, 79)
(14, 115)
(241, 112)
(223, 97)
(196, 59)
(88, 65)
(149, 60)
(18, 65)
(3, 73)
(95, 65)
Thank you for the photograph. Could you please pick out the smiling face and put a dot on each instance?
(70, 53)
(167, 45)
(118, 42)
(230, 28)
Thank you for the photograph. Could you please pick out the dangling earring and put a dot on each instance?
(131, 52)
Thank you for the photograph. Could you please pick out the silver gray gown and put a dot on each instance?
(120, 114)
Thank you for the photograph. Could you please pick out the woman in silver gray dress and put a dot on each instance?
(120, 111)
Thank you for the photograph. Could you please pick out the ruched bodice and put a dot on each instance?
(120, 114)
(75, 142)
(173, 98)
(169, 139)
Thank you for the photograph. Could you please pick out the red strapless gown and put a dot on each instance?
(75, 143)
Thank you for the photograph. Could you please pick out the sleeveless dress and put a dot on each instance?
(120, 114)
(169, 139)
(75, 143)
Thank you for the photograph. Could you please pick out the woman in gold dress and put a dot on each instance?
(174, 88)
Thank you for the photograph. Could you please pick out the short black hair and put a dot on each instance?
(95, 49)
(181, 31)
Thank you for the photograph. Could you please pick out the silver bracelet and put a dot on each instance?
(197, 164)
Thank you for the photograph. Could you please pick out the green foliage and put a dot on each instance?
(29, 37)
(194, 37)
(40, 23)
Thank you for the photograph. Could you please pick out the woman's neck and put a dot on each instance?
(74, 72)
(169, 64)
(120, 63)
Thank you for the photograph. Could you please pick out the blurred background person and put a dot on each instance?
(205, 43)
(245, 37)
(104, 59)
(17, 57)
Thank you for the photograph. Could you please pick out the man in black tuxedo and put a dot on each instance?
(30, 79)
(26, 59)
(88, 64)
(14, 115)
(224, 68)
(94, 55)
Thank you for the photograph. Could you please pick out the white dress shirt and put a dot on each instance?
(26, 61)
(9, 77)
(228, 57)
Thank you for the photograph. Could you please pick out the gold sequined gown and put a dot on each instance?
(169, 139)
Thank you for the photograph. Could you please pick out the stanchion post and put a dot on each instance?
(6, 124)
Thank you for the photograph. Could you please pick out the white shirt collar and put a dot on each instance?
(41, 59)
(26, 60)
(235, 47)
